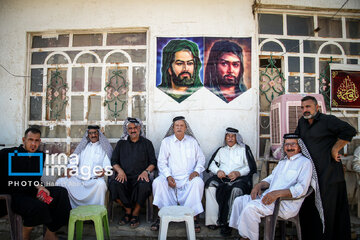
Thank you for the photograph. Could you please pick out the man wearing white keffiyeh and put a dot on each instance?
(233, 165)
(133, 160)
(180, 164)
(85, 179)
(291, 178)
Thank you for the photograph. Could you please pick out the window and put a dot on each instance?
(270, 24)
(80, 79)
(301, 55)
(329, 27)
(300, 25)
(353, 28)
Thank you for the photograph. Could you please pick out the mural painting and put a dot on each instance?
(222, 65)
(227, 66)
(179, 62)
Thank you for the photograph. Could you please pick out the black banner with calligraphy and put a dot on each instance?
(345, 89)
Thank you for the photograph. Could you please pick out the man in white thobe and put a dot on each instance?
(233, 166)
(291, 178)
(180, 164)
(85, 180)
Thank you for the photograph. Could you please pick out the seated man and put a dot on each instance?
(233, 166)
(25, 186)
(180, 164)
(290, 178)
(133, 160)
(85, 179)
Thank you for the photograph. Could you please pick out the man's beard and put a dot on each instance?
(310, 116)
(229, 80)
(183, 79)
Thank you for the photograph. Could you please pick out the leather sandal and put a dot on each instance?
(212, 227)
(125, 219)
(134, 222)
(197, 226)
(155, 226)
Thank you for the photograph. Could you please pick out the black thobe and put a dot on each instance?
(133, 158)
(225, 188)
(319, 138)
(23, 192)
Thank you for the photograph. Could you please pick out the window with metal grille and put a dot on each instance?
(302, 45)
(80, 79)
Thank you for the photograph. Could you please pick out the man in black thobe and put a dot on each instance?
(324, 136)
(133, 160)
(25, 187)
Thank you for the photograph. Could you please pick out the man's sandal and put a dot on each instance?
(197, 226)
(134, 222)
(125, 219)
(155, 226)
(212, 227)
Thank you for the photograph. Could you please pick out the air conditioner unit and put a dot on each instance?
(285, 111)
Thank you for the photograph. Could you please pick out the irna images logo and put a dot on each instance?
(15, 156)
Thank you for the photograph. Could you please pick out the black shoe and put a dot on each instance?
(212, 227)
(225, 231)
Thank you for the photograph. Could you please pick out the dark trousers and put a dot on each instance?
(35, 212)
(225, 190)
(336, 215)
(130, 192)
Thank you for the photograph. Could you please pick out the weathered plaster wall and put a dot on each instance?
(207, 114)
(334, 4)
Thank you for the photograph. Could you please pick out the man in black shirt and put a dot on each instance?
(324, 136)
(22, 180)
(133, 160)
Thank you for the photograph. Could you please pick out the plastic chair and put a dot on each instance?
(270, 221)
(15, 220)
(176, 214)
(96, 213)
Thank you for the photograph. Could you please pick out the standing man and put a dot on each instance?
(233, 166)
(224, 70)
(180, 163)
(180, 69)
(291, 178)
(324, 136)
(85, 179)
(26, 185)
(133, 160)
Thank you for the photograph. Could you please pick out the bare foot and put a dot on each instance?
(49, 235)
(26, 232)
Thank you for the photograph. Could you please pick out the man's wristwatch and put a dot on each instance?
(148, 172)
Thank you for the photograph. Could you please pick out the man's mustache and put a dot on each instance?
(290, 150)
(229, 76)
(183, 73)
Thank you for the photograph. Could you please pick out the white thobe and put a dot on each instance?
(179, 159)
(85, 188)
(229, 159)
(293, 174)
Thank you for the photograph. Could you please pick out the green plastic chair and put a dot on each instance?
(96, 213)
